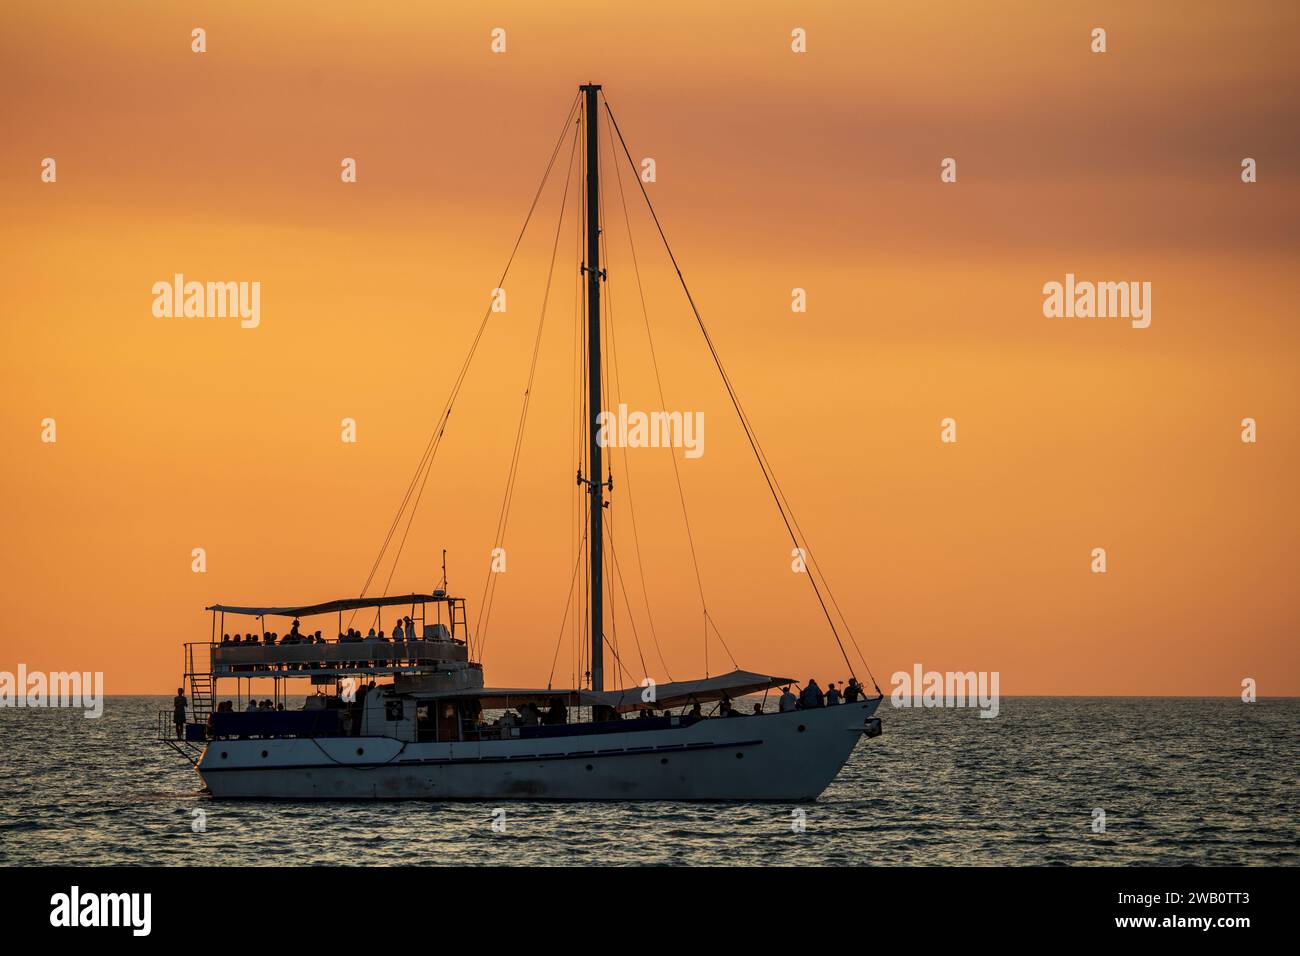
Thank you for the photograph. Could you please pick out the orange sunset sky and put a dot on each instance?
(775, 170)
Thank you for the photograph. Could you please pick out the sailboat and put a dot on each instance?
(408, 715)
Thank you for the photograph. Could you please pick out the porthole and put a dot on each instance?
(589, 767)
(740, 756)
(663, 759)
(264, 754)
(802, 728)
(224, 755)
(361, 751)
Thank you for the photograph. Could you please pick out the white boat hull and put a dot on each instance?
(790, 756)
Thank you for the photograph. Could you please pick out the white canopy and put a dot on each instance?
(736, 684)
(673, 694)
(332, 607)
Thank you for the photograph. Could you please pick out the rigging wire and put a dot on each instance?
(431, 448)
(612, 378)
(618, 572)
(631, 504)
(568, 602)
(654, 360)
(608, 582)
(765, 467)
(489, 584)
(610, 388)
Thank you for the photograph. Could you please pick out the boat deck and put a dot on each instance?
(229, 660)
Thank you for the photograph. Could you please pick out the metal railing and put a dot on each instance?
(165, 729)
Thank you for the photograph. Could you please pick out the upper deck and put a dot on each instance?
(303, 654)
(333, 657)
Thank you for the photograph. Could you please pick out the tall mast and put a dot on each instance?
(594, 483)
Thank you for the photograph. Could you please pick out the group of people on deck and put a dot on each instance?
(809, 697)
(255, 705)
(293, 637)
(404, 631)
(530, 715)
(228, 706)
(813, 696)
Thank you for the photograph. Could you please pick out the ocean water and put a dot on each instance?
(1203, 781)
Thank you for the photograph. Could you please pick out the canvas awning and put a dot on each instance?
(499, 698)
(674, 694)
(330, 607)
(736, 684)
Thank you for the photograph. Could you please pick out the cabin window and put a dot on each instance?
(448, 723)
(425, 729)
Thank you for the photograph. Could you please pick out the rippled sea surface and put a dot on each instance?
(1202, 781)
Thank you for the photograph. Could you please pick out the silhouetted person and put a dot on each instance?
(178, 712)
(812, 695)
